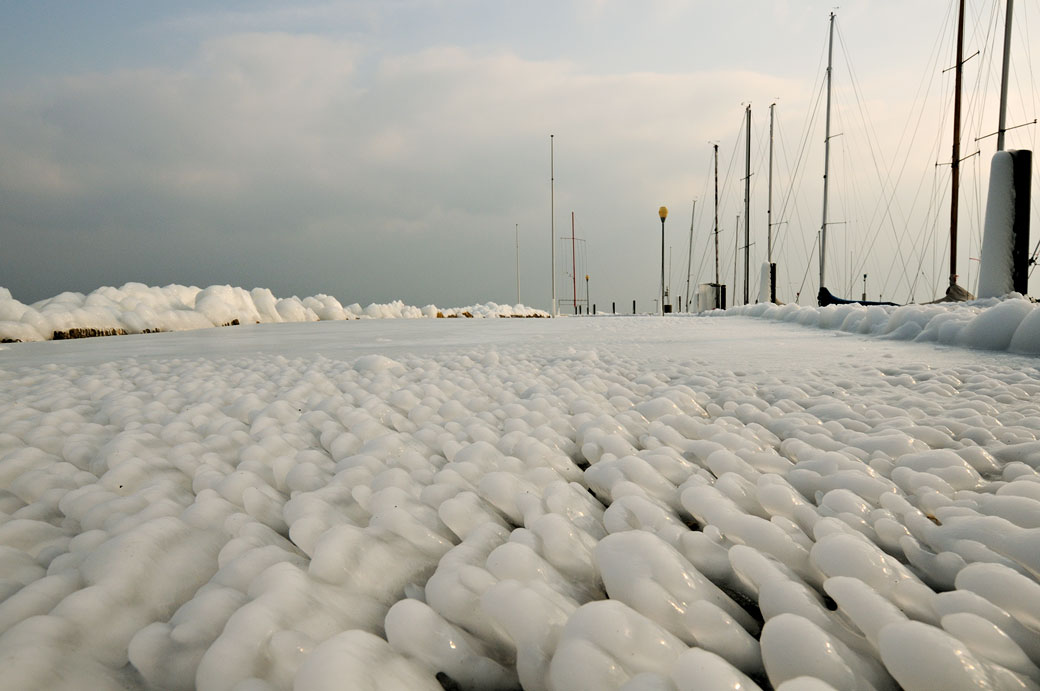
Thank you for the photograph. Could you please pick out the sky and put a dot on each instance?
(400, 149)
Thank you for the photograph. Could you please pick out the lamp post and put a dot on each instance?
(663, 213)
(588, 305)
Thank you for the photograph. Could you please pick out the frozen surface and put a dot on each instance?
(137, 308)
(998, 240)
(1008, 323)
(630, 502)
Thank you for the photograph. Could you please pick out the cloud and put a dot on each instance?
(268, 154)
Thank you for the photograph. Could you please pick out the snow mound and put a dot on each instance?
(1011, 323)
(137, 308)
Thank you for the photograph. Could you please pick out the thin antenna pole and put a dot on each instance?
(747, 210)
(689, 257)
(552, 224)
(826, 158)
(955, 163)
(518, 263)
(1002, 125)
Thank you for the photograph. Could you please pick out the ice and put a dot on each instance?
(995, 267)
(541, 503)
(792, 647)
(698, 669)
(533, 616)
(842, 554)
(418, 632)
(805, 684)
(650, 576)
(367, 661)
(136, 308)
(994, 323)
(965, 601)
(988, 641)
(1011, 591)
(605, 643)
(865, 608)
(995, 328)
(922, 657)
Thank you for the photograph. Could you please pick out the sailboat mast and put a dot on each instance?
(574, 271)
(716, 215)
(736, 255)
(689, 256)
(747, 209)
(827, 157)
(1002, 125)
(552, 217)
(955, 164)
(769, 199)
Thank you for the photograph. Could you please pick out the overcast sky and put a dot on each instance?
(389, 149)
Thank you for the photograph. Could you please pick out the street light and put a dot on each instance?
(663, 213)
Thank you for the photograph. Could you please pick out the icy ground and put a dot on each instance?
(1008, 324)
(136, 308)
(583, 503)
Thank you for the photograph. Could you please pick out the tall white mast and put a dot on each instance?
(826, 158)
(769, 214)
(955, 159)
(552, 224)
(747, 210)
(716, 149)
(769, 199)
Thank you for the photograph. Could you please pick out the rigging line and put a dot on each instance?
(711, 230)
(704, 195)
(808, 131)
(919, 105)
(884, 180)
(852, 136)
(1036, 159)
(781, 159)
(780, 238)
(1029, 89)
(808, 266)
(936, 198)
(978, 209)
(690, 269)
(797, 214)
(725, 189)
(977, 101)
(975, 113)
(888, 188)
(924, 241)
(1032, 80)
